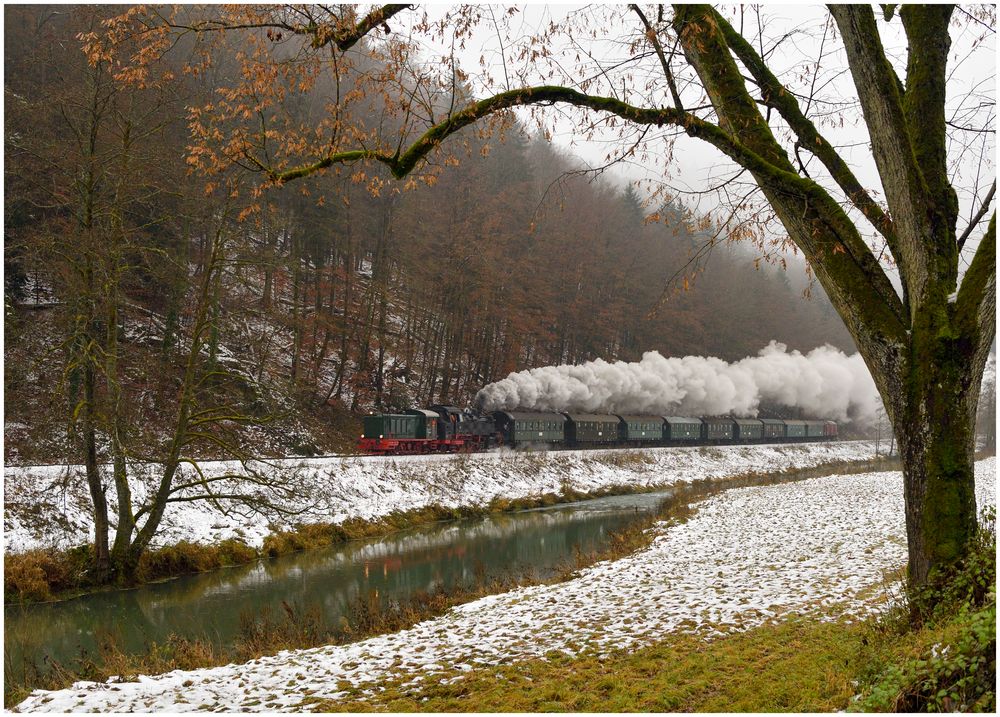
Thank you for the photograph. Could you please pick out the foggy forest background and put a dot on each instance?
(334, 298)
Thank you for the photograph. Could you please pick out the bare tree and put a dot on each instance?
(95, 154)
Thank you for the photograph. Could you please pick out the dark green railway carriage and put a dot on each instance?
(815, 429)
(427, 422)
(640, 429)
(525, 427)
(719, 429)
(681, 428)
(591, 428)
(774, 428)
(748, 429)
(391, 425)
(795, 430)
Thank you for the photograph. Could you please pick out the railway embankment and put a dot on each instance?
(336, 499)
(46, 507)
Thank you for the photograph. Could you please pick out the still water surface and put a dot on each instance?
(210, 606)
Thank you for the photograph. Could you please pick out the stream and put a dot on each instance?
(212, 606)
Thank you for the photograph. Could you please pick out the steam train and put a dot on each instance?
(447, 429)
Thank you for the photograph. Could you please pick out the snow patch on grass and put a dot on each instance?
(747, 556)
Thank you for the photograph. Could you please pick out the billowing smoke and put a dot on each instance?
(824, 383)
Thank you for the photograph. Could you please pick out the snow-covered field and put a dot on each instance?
(47, 506)
(746, 556)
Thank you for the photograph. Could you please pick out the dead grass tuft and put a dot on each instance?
(38, 575)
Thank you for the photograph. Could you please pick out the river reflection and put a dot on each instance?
(210, 605)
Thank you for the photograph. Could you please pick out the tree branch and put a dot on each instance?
(779, 97)
(975, 305)
(255, 503)
(926, 28)
(402, 164)
(348, 39)
(322, 34)
(892, 146)
(658, 48)
(978, 218)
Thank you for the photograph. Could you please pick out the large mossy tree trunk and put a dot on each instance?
(934, 422)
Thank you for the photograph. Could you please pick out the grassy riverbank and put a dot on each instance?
(43, 575)
(946, 663)
(800, 665)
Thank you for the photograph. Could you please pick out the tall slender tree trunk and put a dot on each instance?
(123, 493)
(102, 559)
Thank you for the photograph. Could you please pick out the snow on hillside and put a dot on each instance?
(47, 506)
(746, 556)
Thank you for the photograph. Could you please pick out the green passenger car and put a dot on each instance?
(521, 428)
(815, 429)
(682, 428)
(591, 428)
(720, 429)
(795, 429)
(749, 429)
(641, 429)
(774, 428)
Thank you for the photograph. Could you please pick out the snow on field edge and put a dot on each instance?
(48, 506)
(824, 546)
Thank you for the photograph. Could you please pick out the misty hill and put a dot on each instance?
(348, 292)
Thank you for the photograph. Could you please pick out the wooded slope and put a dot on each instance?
(346, 292)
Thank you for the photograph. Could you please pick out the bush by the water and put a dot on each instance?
(38, 575)
(951, 663)
(187, 557)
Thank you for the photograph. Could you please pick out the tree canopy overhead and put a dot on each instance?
(867, 137)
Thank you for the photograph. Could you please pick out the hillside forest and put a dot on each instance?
(140, 296)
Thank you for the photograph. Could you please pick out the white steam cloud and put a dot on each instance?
(824, 383)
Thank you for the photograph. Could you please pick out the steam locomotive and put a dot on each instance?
(447, 429)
